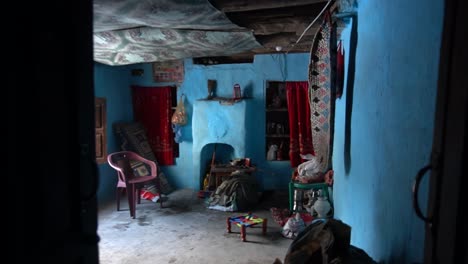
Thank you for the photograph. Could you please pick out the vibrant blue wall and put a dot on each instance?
(392, 119)
(113, 84)
(391, 126)
(252, 78)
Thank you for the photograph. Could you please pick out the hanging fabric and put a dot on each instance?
(320, 87)
(179, 119)
(180, 116)
(152, 107)
(300, 132)
(339, 69)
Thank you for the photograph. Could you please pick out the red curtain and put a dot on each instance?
(152, 108)
(300, 133)
(339, 69)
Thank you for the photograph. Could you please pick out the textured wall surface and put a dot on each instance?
(391, 126)
(112, 83)
(252, 78)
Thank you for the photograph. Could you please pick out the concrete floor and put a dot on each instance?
(185, 231)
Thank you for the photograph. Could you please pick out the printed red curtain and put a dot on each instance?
(300, 133)
(152, 108)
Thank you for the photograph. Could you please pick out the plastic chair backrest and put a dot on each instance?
(120, 161)
(126, 172)
(124, 168)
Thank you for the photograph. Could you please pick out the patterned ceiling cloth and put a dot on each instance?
(134, 31)
(320, 82)
(152, 44)
(124, 14)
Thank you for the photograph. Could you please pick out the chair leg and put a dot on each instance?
(228, 224)
(158, 187)
(118, 192)
(131, 199)
(243, 233)
(138, 190)
(264, 226)
(134, 200)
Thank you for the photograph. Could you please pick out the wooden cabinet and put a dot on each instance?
(277, 122)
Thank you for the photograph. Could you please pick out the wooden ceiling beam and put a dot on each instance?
(265, 14)
(296, 25)
(228, 6)
(285, 41)
(270, 21)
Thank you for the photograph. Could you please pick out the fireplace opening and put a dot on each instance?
(222, 153)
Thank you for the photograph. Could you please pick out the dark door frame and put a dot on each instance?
(446, 229)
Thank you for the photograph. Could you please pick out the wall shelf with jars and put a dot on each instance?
(277, 121)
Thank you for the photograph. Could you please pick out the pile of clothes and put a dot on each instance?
(323, 242)
(239, 192)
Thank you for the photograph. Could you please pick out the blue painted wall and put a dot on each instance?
(252, 78)
(113, 84)
(214, 123)
(391, 126)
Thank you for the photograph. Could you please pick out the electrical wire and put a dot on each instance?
(309, 26)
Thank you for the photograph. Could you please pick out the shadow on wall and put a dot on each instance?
(252, 120)
(349, 94)
(187, 128)
(248, 90)
(400, 258)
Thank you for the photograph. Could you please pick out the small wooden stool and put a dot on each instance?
(245, 221)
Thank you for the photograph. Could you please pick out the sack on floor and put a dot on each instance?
(239, 190)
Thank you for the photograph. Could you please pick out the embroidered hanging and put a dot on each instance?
(320, 92)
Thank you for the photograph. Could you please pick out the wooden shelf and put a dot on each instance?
(225, 100)
(276, 119)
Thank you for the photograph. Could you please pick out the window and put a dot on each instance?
(100, 129)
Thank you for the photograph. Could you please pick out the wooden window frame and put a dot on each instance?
(100, 126)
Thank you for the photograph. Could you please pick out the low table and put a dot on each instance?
(244, 221)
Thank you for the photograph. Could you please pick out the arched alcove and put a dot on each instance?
(223, 153)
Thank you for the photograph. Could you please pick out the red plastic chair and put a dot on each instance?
(121, 162)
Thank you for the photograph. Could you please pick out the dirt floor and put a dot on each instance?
(185, 231)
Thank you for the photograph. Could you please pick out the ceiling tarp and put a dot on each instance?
(152, 44)
(135, 31)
